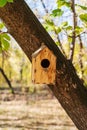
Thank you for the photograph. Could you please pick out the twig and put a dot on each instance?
(46, 10)
(80, 55)
(72, 46)
(60, 44)
(81, 34)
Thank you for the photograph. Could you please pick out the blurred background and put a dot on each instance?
(26, 106)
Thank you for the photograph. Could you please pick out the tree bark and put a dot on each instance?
(29, 33)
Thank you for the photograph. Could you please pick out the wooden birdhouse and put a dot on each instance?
(43, 66)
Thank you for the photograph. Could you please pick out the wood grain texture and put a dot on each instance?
(29, 33)
(41, 75)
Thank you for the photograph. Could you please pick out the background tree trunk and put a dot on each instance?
(29, 33)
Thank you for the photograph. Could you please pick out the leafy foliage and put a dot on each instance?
(67, 29)
(1, 26)
(4, 2)
(82, 7)
(4, 39)
(83, 17)
(78, 30)
(61, 3)
(57, 12)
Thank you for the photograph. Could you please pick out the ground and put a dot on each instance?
(34, 111)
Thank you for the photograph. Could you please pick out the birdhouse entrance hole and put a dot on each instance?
(45, 63)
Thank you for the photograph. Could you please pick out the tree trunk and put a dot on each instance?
(29, 33)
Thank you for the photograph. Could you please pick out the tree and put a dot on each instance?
(30, 34)
(4, 46)
(72, 27)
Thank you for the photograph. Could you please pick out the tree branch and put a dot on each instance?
(72, 45)
(60, 44)
(80, 55)
(46, 10)
(7, 80)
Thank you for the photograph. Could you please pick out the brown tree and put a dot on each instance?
(29, 33)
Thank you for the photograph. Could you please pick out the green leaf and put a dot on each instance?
(68, 28)
(83, 17)
(2, 25)
(78, 29)
(49, 28)
(82, 7)
(57, 12)
(69, 39)
(6, 36)
(49, 25)
(5, 39)
(61, 3)
(5, 44)
(10, 1)
(57, 43)
(3, 3)
(68, 4)
(58, 29)
(64, 24)
(49, 22)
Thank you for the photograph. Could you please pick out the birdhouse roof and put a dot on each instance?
(39, 50)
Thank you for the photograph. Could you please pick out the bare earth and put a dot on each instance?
(32, 112)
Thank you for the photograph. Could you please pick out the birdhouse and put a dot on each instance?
(43, 66)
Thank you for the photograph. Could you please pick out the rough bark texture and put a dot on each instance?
(29, 33)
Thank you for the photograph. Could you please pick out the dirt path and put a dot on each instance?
(32, 112)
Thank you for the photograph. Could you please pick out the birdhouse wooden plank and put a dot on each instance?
(43, 66)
